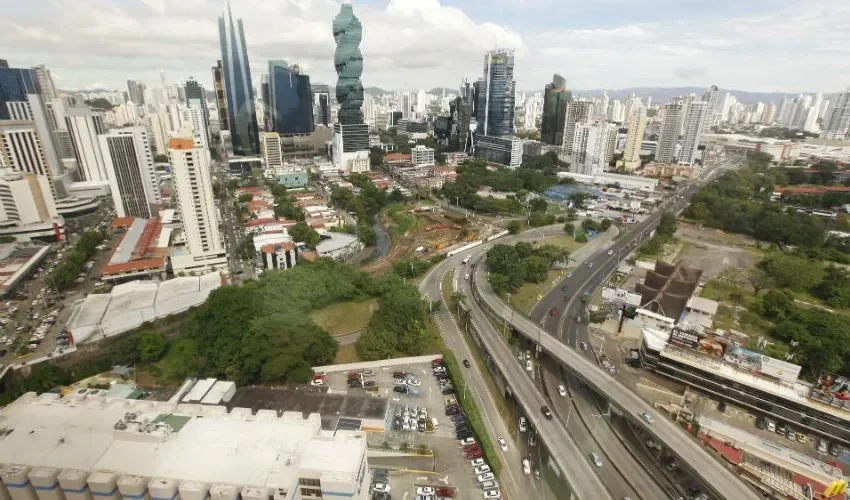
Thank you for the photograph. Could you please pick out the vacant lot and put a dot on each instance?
(344, 317)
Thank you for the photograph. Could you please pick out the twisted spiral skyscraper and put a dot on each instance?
(349, 65)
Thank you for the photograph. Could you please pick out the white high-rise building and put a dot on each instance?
(193, 184)
(711, 97)
(272, 154)
(616, 111)
(161, 131)
(669, 135)
(406, 105)
(838, 120)
(577, 112)
(421, 103)
(84, 125)
(22, 199)
(590, 144)
(128, 158)
(45, 83)
(769, 114)
(693, 126)
(634, 139)
(22, 149)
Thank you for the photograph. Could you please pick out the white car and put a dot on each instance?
(528, 365)
(502, 443)
(477, 462)
(526, 466)
(493, 494)
(487, 476)
(466, 276)
(610, 252)
(562, 391)
(489, 485)
(425, 490)
(522, 424)
(647, 417)
(482, 469)
(414, 382)
(594, 458)
(381, 487)
(464, 442)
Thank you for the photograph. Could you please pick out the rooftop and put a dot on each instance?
(164, 440)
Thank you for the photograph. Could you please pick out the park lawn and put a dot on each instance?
(525, 298)
(346, 354)
(563, 241)
(344, 317)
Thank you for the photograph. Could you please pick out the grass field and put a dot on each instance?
(564, 241)
(525, 298)
(344, 317)
(346, 354)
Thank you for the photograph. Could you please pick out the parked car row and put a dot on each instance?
(824, 446)
(434, 492)
(380, 486)
(411, 419)
(438, 367)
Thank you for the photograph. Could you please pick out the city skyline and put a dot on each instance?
(115, 43)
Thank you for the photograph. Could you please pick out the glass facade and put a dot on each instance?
(241, 114)
(496, 95)
(291, 99)
(349, 66)
(15, 84)
(556, 97)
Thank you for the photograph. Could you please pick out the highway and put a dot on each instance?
(713, 473)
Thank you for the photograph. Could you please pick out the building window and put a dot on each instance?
(303, 481)
(311, 493)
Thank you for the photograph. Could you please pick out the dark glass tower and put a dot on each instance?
(15, 84)
(556, 97)
(496, 95)
(349, 66)
(291, 99)
(241, 114)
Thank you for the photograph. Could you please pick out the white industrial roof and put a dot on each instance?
(334, 242)
(263, 450)
(704, 305)
(216, 394)
(198, 391)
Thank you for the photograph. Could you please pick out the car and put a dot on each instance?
(553, 311)
(477, 462)
(583, 345)
(367, 373)
(402, 389)
(398, 375)
(647, 417)
(595, 460)
(487, 476)
(494, 493)
(414, 382)
(489, 485)
(466, 363)
(528, 365)
(590, 264)
(791, 435)
(802, 437)
(532, 439)
(445, 492)
(426, 490)
(400, 381)
(502, 443)
(468, 442)
(823, 449)
(381, 487)
(562, 391)
(771, 426)
(526, 466)
(466, 276)
(546, 412)
(522, 424)
(610, 252)
(474, 454)
(482, 469)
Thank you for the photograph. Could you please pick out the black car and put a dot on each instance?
(463, 435)
(448, 391)
(400, 388)
(466, 363)
(546, 412)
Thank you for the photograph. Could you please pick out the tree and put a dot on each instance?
(100, 103)
(376, 156)
(365, 233)
(152, 346)
(538, 205)
(777, 304)
(375, 344)
(569, 228)
(514, 226)
(160, 158)
(395, 196)
(245, 197)
(606, 223)
(455, 300)
(667, 224)
(759, 280)
(301, 232)
(790, 271)
(581, 237)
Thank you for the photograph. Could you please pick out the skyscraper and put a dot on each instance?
(838, 120)
(236, 73)
(589, 148)
(634, 139)
(136, 92)
(351, 135)
(693, 127)
(290, 99)
(129, 161)
(496, 94)
(670, 125)
(196, 100)
(577, 112)
(15, 84)
(556, 97)
(44, 80)
(84, 125)
(220, 96)
(192, 180)
(711, 97)
(22, 149)
(321, 104)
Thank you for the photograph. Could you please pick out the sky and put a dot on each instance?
(753, 45)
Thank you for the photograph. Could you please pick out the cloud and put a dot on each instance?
(425, 43)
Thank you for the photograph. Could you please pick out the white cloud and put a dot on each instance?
(423, 43)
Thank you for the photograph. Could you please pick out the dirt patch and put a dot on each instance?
(714, 251)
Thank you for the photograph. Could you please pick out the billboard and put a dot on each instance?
(691, 339)
(748, 360)
(684, 338)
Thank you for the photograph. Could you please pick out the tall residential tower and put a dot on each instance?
(236, 75)
(556, 97)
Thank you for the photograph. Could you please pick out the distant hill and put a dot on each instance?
(664, 94)
(375, 91)
(439, 91)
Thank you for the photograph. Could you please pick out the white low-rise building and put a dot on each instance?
(87, 444)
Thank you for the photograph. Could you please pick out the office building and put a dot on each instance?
(159, 125)
(505, 151)
(84, 126)
(129, 164)
(22, 200)
(190, 168)
(44, 81)
(55, 114)
(136, 92)
(351, 135)
(671, 123)
(712, 98)
(556, 98)
(196, 100)
(634, 138)
(290, 99)
(422, 155)
(113, 447)
(838, 120)
(239, 91)
(15, 85)
(693, 127)
(22, 149)
(271, 150)
(220, 96)
(577, 112)
(590, 146)
(406, 105)
(496, 95)
(321, 105)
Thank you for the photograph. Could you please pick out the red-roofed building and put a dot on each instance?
(810, 189)
(281, 255)
(397, 157)
(137, 253)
